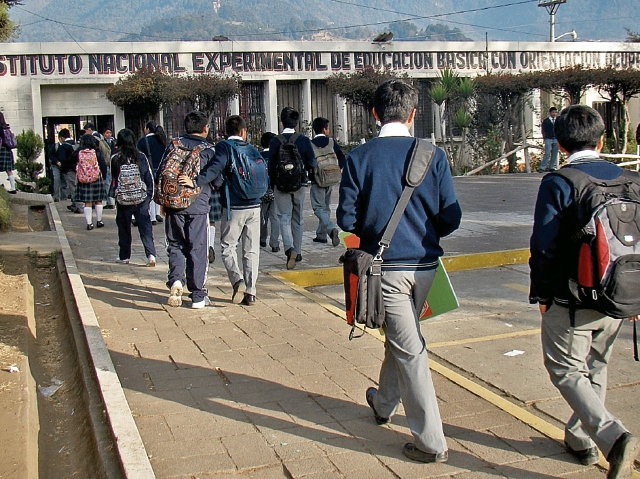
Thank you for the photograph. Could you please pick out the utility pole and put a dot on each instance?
(552, 7)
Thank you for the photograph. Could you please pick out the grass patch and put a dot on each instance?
(5, 211)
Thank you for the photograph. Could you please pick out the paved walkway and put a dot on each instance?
(276, 390)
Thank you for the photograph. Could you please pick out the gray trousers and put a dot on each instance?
(321, 203)
(581, 374)
(243, 228)
(269, 215)
(72, 180)
(290, 215)
(405, 370)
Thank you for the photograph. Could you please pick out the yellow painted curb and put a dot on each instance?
(458, 342)
(327, 276)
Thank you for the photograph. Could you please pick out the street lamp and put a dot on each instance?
(552, 7)
(573, 34)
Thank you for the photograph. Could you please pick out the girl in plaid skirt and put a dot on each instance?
(6, 155)
(91, 193)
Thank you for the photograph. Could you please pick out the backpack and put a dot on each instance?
(327, 172)
(131, 189)
(88, 169)
(247, 175)
(9, 140)
(607, 243)
(178, 160)
(289, 169)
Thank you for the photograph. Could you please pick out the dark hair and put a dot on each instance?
(3, 123)
(266, 138)
(319, 124)
(195, 122)
(553, 108)
(578, 128)
(126, 143)
(89, 125)
(289, 117)
(234, 124)
(394, 100)
(88, 141)
(158, 131)
(64, 133)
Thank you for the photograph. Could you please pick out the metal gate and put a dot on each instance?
(289, 93)
(323, 103)
(424, 123)
(252, 106)
(361, 123)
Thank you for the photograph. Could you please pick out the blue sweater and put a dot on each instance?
(372, 182)
(553, 253)
(154, 152)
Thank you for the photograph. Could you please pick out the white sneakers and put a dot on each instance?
(201, 304)
(122, 261)
(151, 261)
(175, 296)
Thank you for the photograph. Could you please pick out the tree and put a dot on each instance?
(142, 93)
(620, 86)
(570, 83)
(8, 29)
(204, 92)
(29, 148)
(632, 37)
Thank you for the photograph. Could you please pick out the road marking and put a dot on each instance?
(518, 287)
(515, 334)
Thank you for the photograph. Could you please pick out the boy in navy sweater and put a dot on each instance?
(372, 182)
(187, 230)
(576, 360)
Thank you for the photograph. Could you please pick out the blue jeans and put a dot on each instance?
(550, 148)
(290, 215)
(59, 184)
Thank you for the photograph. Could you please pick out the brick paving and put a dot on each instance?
(275, 390)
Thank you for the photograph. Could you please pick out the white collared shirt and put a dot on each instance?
(394, 129)
(235, 137)
(319, 134)
(286, 131)
(583, 155)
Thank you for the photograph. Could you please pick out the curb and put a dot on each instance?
(130, 450)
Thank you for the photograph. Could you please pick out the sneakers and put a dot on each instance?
(238, 290)
(175, 296)
(201, 304)
(586, 457)
(151, 261)
(622, 456)
(99, 224)
(89, 226)
(134, 222)
(159, 219)
(212, 254)
(122, 261)
(248, 300)
(154, 222)
(291, 258)
(412, 452)
(369, 395)
(334, 234)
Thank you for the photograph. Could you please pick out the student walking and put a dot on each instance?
(132, 187)
(7, 163)
(269, 222)
(153, 145)
(91, 169)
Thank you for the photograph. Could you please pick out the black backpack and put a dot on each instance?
(289, 169)
(607, 242)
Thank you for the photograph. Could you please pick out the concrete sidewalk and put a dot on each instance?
(277, 390)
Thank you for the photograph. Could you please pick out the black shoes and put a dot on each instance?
(298, 258)
(89, 226)
(263, 244)
(154, 222)
(211, 255)
(134, 222)
(291, 258)
(369, 395)
(622, 456)
(412, 452)
(275, 249)
(99, 224)
(248, 300)
(238, 288)
(13, 192)
(159, 219)
(587, 457)
(319, 240)
(335, 236)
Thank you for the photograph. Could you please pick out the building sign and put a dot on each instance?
(302, 61)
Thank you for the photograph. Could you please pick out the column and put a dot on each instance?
(271, 106)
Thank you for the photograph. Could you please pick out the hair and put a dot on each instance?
(319, 124)
(394, 100)
(64, 133)
(88, 141)
(234, 124)
(578, 128)
(289, 117)
(195, 122)
(3, 123)
(126, 142)
(266, 138)
(553, 108)
(90, 126)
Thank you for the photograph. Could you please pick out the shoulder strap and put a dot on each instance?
(293, 138)
(421, 158)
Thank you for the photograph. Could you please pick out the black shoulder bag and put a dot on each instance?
(362, 271)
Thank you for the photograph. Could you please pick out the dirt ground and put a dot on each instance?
(48, 390)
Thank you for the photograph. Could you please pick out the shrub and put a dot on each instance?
(29, 149)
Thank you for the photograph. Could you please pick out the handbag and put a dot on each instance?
(362, 271)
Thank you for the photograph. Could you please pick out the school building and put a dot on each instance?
(46, 85)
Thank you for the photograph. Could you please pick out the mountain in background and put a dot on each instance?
(164, 20)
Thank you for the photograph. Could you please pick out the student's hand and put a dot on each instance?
(633, 319)
(184, 180)
(543, 308)
(162, 211)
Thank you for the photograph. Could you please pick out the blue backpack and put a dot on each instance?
(247, 177)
